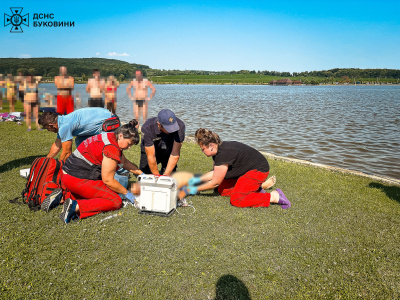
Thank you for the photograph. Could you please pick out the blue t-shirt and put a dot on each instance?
(82, 122)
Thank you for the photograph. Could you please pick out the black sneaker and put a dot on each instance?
(69, 212)
(52, 200)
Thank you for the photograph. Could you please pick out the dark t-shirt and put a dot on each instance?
(240, 159)
(151, 135)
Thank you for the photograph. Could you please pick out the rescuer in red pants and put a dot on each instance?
(88, 173)
(101, 197)
(240, 172)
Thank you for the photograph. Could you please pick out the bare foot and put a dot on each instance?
(269, 183)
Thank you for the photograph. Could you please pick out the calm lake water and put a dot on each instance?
(352, 127)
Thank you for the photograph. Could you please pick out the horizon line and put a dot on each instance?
(291, 72)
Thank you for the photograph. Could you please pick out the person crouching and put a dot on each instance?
(88, 174)
(239, 172)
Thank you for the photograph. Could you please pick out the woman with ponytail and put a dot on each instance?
(240, 172)
(88, 173)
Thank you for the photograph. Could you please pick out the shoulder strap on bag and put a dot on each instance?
(56, 171)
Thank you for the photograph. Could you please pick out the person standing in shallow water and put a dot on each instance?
(239, 172)
(20, 79)
(11, 91)
(31, 101)
(65, 85)
(95, 87)
(140, 97)
(111, 94)
(2, 90)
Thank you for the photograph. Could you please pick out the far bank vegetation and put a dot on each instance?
(81, 69)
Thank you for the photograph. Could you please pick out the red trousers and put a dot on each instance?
(244, 191)
(93, 196)
(65, 104)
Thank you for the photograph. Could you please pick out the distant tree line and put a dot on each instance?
(334, 73)
(353, 73)
(48, 67)
(155, 72)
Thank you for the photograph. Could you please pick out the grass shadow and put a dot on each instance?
(393, 192)
(18, 163)
(230, 287)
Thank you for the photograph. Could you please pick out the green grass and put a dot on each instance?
(6, 106)
(340, 240)
(214, 79)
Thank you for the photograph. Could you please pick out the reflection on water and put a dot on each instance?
(353, 127)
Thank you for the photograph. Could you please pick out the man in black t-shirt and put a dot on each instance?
(162, 138)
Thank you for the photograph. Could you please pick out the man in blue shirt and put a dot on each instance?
(82, 123)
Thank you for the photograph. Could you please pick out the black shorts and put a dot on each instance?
(33, 104)
(21, 95)
(140, 103)
(96, 102)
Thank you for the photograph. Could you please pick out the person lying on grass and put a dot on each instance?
(240, 172)
(181, 177)
(88, 174)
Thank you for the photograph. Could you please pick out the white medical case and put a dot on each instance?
(157, 195)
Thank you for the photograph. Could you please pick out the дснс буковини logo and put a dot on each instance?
(16, 20)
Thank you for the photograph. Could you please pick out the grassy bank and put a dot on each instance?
(261, 79)
(338, 241)
(248, 79)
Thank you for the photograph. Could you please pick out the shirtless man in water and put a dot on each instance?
(141, 94)
(95, 87)
(65, 85)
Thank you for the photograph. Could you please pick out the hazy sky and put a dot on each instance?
(215, 35)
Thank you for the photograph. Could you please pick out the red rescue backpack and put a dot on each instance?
(44, 178)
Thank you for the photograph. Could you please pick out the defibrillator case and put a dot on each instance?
(157, 195)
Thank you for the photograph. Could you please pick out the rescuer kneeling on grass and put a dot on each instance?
(240, 172)
(88, 174)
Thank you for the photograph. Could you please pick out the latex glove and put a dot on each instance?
(131, 197)
(190, 190)
(194, 181)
